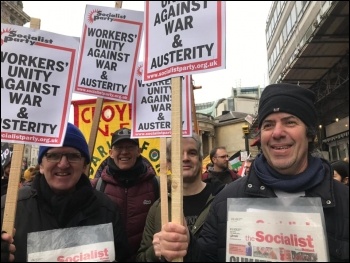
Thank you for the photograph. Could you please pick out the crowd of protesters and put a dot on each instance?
(56, 194)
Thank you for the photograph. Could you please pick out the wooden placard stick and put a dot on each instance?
(194, 115)
(15, 174)
(96, 118)
(118, 4)
(35, 23)
(93, 131)
(163, 182)
(12, 189)
(176, 153)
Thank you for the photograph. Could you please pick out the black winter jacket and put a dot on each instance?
(33, 214)
(211, 245)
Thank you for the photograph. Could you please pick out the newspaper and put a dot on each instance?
(275, 236)
(99, 252)
(76, 244)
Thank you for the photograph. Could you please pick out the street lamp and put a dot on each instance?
(245, 129)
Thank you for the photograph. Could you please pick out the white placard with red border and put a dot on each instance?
(37, 78)
(183, 37)
(110, 45)
(151, 115)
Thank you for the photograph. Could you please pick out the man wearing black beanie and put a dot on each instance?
(287, 119)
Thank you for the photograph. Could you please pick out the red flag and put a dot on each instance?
(241, 170)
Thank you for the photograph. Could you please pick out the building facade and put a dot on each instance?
(308, 44)
(221, 121)
(12, 13)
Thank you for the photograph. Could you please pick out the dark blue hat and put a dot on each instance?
(74, 138)
(288, 98)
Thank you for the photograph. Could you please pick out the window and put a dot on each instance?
(284, 32)
(299, 7)
(343, 150)
(293, 16)
(288, 25)
(334, 153)
(281, 40)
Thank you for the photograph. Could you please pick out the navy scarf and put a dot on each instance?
(312, 176)
(65, 206)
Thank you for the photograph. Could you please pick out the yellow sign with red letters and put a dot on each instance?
(114, 115)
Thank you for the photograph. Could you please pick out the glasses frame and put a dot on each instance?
(67, 155)
(222, 156)
(127, 148)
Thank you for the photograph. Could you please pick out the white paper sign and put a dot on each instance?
(183, 37)
(93, 243)
(244, 156)
(98, 252)
(37, 76)
(275, 236)
(108, 53)
(151, 116)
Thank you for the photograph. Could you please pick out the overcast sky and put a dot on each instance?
(246, 59)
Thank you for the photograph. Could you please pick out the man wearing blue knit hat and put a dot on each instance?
(61, 196)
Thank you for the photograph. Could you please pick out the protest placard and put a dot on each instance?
(37, 74)
(151, 115)
(108, 54)
(176, 46)
(183, 37)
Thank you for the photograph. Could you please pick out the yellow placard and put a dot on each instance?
(206, 160)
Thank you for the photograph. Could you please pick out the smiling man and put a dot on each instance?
(61, 196)
(130, 181)
(287, 120)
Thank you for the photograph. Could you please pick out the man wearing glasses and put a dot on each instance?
(61, 196)
(221, 172)
(131, 182)
(247, 165)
